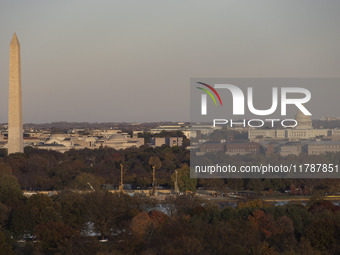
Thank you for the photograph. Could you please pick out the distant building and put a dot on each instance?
(174, 141)
(54, 147)
(290, 149)
(120, 141)
(335, 134)
(157, 141)
(304, 130)
(104, 133)
(331, 118)
(57, 142)
(65, 142)
(322, 147)
(270, 150)
(211, 147)
(266, 134)
(243, 148)
(170, 141)
(189, 131)
(85, 141)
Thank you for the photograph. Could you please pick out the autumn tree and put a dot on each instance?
(106, 210)
(141, 225)
(53, 236)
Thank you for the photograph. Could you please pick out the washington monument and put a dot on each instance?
(15, 127)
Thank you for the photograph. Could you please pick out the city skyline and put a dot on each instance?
(90, 62)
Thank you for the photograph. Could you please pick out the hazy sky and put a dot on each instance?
(132, 60)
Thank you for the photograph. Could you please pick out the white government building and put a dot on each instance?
(304, 130)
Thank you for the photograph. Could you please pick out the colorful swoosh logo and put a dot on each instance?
(209, 93)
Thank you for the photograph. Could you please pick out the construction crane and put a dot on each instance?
(176, 184)
(121, 186)
(154, 188)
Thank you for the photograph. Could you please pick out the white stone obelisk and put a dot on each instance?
(15, 125)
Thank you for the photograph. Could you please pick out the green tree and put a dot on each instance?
(320, 233)
(22, 221)
(155, 161)
(5, 248)
(84, 180)
(256, 185)
(4, 215)
(43, 208)
(10, 192)
(73, 209)
(5, 169)
(184, 180)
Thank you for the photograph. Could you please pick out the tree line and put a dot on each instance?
(50, 170)
(111, 223)
(74, 221)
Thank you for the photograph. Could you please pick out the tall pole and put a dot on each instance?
(176, 183)
(154, 188)
(121, 189)
(153, 176)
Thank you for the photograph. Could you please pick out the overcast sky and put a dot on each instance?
(103, 61)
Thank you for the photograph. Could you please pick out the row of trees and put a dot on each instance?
(300, 186)
(73, 223)
(50, 170)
